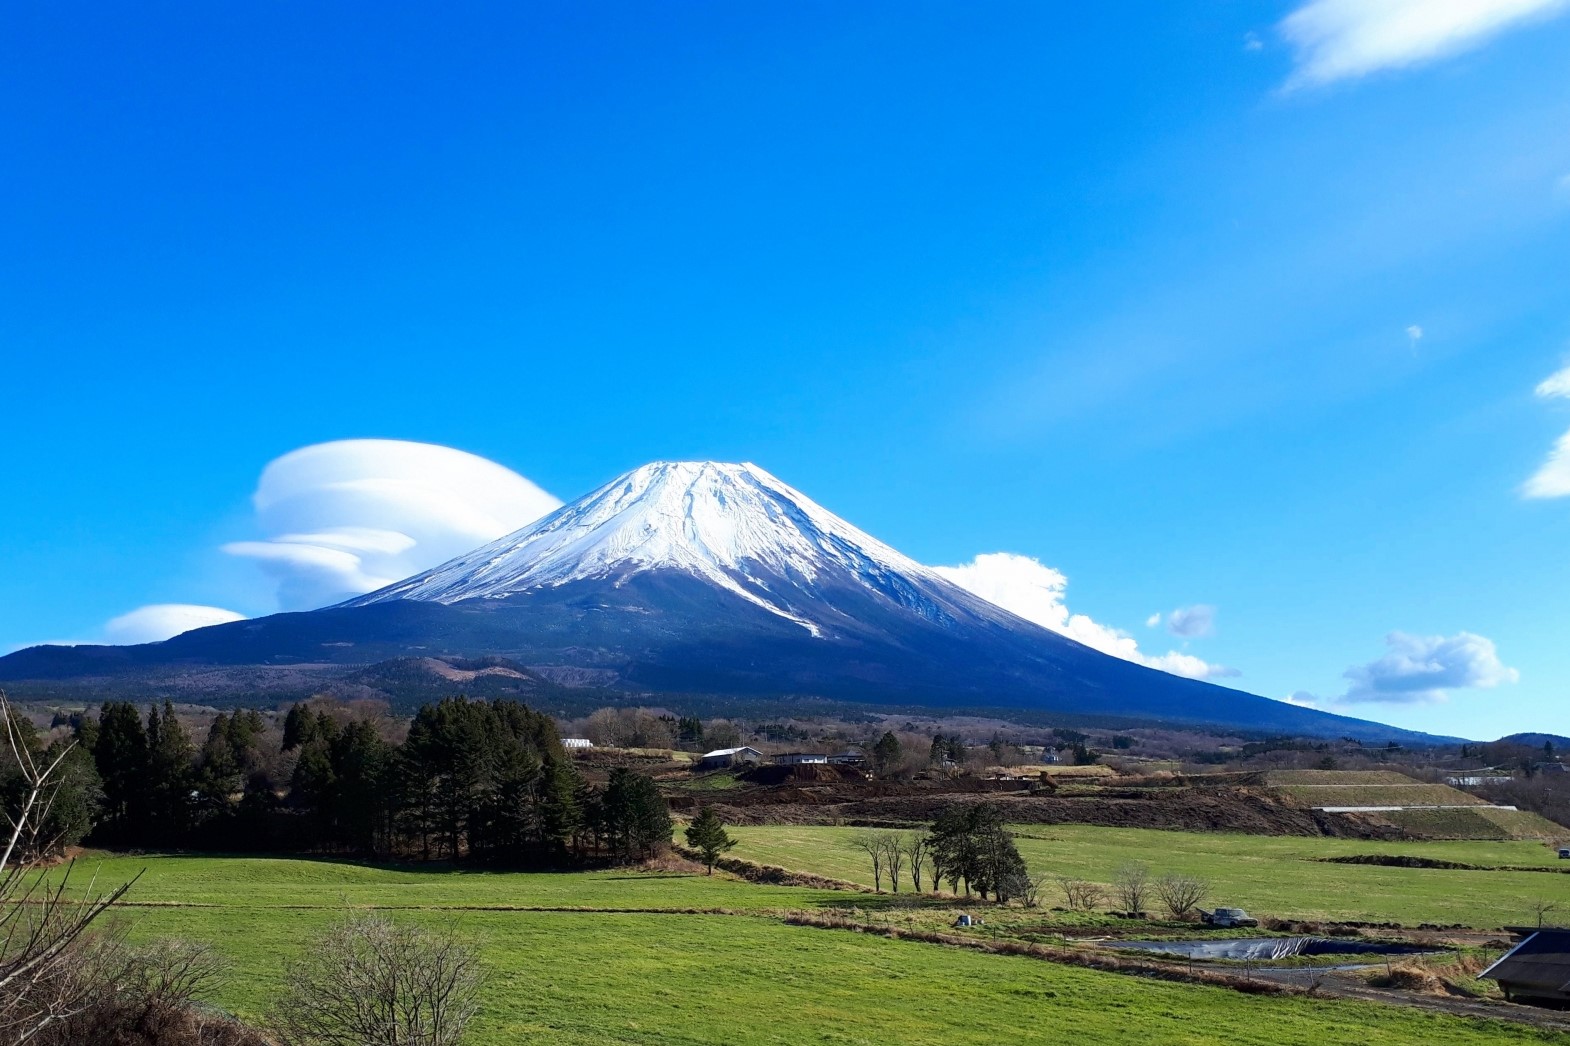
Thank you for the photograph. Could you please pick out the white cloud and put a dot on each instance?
(1340, 39)
(1423, 669)
(350, 516)
(160, 621)
(1302, 698)
(1252, 42)
(1193, 622)
(1154, 620)
(1552, 480)
(1414, 332)
(1556, 385)
(1034, 591)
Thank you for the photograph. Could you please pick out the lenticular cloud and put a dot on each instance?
(344, 518)
(160, 621)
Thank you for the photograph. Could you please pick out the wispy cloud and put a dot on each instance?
(1193, 622)
(1034, 591)
(1552, 480)
(347, 517)
(1423, 669)
(1342, 39)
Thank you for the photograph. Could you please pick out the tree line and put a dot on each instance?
(471, 779)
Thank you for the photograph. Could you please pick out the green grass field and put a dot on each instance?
(1268, 875)
(582, 977)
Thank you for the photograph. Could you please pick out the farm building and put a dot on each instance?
(1536, 971)
(800, 758)
(729, 757)
(849, 756)
(571, 743)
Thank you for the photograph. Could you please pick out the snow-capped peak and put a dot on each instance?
(736, 526)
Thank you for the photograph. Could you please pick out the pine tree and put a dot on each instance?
(706, 834)
(121, 756)
(886, 753)
(169, 754)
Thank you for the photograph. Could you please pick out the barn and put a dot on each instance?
(721, 757)
(1536, 971)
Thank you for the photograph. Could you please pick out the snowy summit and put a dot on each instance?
(734, 526)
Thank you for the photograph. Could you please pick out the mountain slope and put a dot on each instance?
(699, 577)
(733, 526)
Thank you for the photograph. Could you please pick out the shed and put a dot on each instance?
(849, 756)
(729, 757)
(800, 758)
(571, 743)
(1536, 971)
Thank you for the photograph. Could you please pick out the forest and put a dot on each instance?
(472, 780)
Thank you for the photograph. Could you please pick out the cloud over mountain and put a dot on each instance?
(160, 621)
(1034, 591)
(346, 517)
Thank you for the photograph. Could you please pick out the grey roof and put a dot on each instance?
(1541, 962)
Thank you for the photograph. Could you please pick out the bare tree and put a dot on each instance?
(1081, 895)
(915, 844)
(144, 994)
(1541, 908)
(1131, 887)
(42, 923)
(871, 844)
(894, 857)
(370, 980)
(1181, 894)
(1031, 887)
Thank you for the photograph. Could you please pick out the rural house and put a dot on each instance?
(799, 758)
(571, 743)
(1536, 971)
(850, 756)
(721, 757)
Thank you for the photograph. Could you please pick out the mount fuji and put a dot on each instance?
(702, 578)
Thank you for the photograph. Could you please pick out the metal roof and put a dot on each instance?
(1541, 962)
(730, 751)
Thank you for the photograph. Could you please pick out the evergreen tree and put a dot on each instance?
(299, 726)
(561, 810)
(169, 776)
(362, 763)
(706, 834)
(886, 753)
(121, 758)
(637, 818)
(971, 842)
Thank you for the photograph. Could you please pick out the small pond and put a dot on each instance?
(1268, 949)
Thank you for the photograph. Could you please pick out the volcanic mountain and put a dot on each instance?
(713, 579)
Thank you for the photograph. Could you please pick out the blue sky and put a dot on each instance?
(1241, 306)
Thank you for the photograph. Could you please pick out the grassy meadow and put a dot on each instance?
(663, 975)
(1268, 875)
